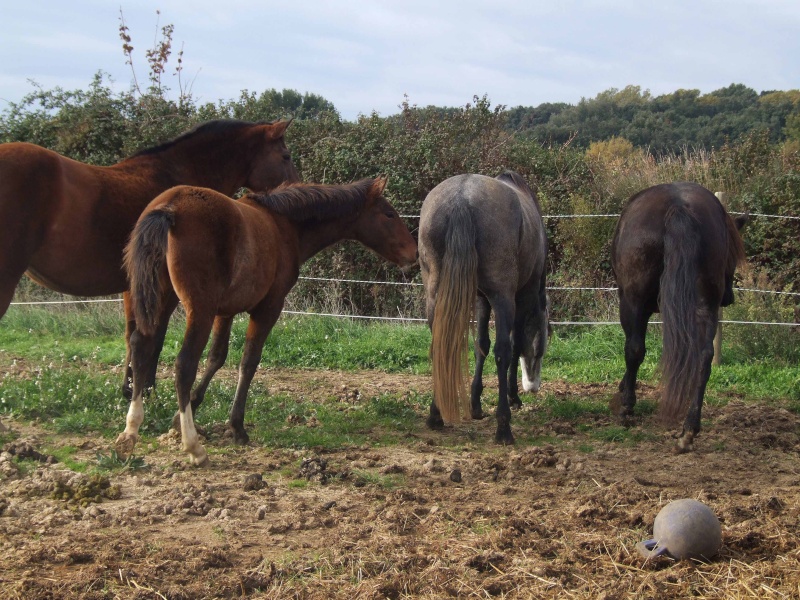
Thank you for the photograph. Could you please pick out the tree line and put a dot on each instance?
(674, 123)
(421, 146)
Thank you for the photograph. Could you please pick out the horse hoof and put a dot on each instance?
(125, 444)
(504, 439)
(478, 415)
(515, 404)
(239, 436)
(200, 459)
(684, 444)
(435, 423)
(622, 414)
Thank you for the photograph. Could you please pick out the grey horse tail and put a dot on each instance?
(455, 305)
(145, 263)
(681, 360)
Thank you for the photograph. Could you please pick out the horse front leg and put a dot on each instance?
(691, 425)
(16, 248)
(482, 345)
(504, 318)
(257, 331)
(634, 323)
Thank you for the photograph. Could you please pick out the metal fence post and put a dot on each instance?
(718, 336)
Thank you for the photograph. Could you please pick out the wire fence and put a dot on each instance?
(417, 284)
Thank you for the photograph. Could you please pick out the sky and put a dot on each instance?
(368, 56)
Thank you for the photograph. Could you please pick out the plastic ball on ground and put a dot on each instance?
(684, 529)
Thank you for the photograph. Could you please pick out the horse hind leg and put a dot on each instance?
(198, 328)
(217, 354)
(130, 327)
(482, 345)
(168, 303)
(504, 318)
(634, 323)
(434, 420)
(141, 347)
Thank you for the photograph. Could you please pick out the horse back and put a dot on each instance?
(509, 233)
(221, 251)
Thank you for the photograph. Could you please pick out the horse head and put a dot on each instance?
(380, 228)
(537, 332)
(272, 164)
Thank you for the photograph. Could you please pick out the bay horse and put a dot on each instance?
(674, 251)
(65, 223)
(483, 247)
(222, 257)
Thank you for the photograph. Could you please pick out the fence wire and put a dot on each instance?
(417, 284)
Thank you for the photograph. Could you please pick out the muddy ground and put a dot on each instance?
(442, 515)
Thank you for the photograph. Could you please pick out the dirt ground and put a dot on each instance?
(446, 514)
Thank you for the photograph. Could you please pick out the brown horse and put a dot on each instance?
(675, 250)
(66, 223)
(221, 257)
(483, 247)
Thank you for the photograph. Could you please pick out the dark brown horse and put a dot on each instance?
(221, 257)
(483, 247)
(675, 250)
(66, 223)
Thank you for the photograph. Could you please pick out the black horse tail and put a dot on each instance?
(681, 359)
(145, 263)
(456, 290)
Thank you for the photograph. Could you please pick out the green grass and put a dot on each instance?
(70, 372)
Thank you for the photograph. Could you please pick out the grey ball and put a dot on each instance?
(684, 529)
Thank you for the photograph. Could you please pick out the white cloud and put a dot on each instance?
(365, 56)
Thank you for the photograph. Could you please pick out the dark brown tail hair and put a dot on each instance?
(681, 357)
(145, 262)
(456, 290)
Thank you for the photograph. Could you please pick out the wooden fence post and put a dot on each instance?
(718, 336)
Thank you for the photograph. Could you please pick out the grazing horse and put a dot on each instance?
(483, 238)
(675, 250)
(66, 223)
(221, 257)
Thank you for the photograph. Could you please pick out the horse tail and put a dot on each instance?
(456, 291)
(145, 263)
(681, 360)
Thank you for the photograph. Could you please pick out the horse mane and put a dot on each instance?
(515, 179)
(310, 201)
(216, 127)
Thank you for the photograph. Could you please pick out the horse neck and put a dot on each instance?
(209, 163)
(314, 237)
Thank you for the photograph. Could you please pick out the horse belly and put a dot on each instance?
(78, 273)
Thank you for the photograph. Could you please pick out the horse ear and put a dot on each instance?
(378, 185)
(741, 220)
(276, 130)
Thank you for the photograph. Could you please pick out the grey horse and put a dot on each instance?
(483, 247)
